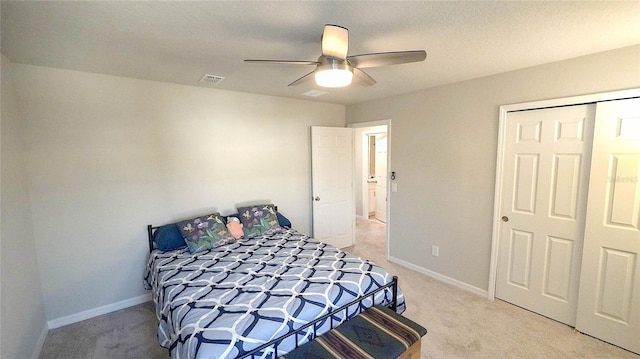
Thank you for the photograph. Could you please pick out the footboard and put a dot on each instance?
(393, 285)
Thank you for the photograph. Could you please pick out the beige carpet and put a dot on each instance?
(128, 334)
(460, 324)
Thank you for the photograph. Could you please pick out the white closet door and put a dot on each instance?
(609, 301)
(543, 208)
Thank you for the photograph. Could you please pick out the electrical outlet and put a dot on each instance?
(435, 251)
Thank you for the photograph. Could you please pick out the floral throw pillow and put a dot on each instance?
(259, 220)
(203, 233)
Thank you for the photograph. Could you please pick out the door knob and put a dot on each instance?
(505, 219)
(316, 198)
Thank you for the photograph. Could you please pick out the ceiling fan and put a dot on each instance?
(335, 69)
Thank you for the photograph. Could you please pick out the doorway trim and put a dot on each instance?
(387, 123)
(502, 126)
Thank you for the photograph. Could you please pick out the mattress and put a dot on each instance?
(224, 302)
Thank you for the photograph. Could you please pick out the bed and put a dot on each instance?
(259, 297)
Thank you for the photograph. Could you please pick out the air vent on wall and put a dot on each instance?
(211, 79)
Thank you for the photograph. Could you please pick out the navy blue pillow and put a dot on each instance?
(168, 237)
(283, 221)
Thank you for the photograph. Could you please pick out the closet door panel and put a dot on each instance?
(609, 296)
(543, 209)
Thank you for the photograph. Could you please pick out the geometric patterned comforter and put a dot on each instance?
(224, 302)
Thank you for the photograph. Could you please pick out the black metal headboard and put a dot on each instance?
(150, 230)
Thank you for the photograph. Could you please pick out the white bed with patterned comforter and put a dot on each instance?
(224, 302)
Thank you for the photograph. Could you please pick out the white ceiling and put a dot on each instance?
(179, 42)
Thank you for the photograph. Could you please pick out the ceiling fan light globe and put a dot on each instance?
(333, 78)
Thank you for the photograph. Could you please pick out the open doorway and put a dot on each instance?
(376, 172)
(372, 143)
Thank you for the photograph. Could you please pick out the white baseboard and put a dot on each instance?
(88, 314)
(40, 342)
(440, 277)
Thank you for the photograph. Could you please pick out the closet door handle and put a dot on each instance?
(316, 198)
(505, 219)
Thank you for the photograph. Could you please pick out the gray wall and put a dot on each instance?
(22, 319)
(108, 155)
(443, 149)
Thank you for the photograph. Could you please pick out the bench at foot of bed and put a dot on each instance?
(378, 333)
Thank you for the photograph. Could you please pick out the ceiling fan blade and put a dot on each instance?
(285, 62)
(386, 58)
(362, 78)
(335, 41)
(303, 79)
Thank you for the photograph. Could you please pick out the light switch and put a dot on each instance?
(394, 187)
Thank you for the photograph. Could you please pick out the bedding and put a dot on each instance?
(226, 301)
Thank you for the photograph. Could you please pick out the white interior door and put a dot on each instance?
(609, 304)
(332, 185)
(381, 174)
(545, 181)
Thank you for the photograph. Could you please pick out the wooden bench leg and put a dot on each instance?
(413, 352)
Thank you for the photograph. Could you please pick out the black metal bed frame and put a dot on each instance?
(150, 230)
(274, 343)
